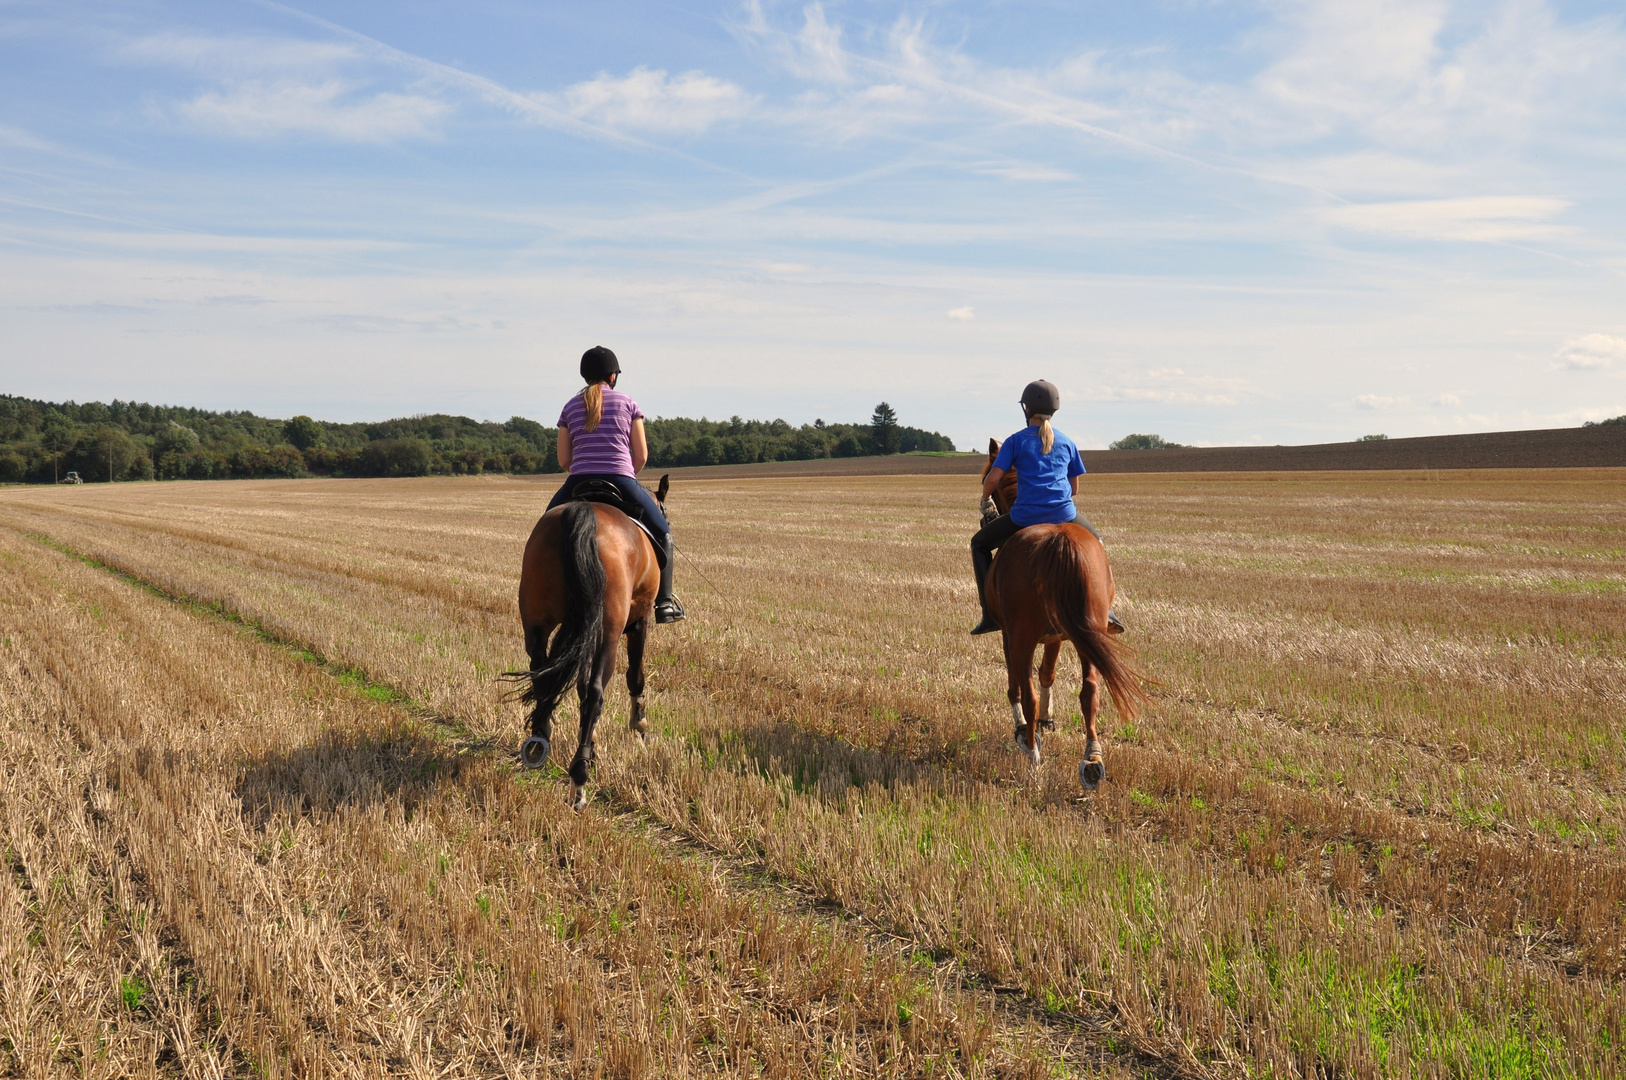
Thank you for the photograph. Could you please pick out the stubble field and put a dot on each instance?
(262, 813)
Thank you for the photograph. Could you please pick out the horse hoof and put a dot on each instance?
(578, 796)
(533, 752)
(1032, 752)
(1091, 772)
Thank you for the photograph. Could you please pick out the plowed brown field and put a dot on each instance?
(262, 813)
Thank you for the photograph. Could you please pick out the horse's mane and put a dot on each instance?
(1004, 495)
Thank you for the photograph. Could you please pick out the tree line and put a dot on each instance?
(41, 442)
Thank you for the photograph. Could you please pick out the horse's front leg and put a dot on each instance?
(1047, 678)
(592, 707)
(1093, 769)
(637, 635)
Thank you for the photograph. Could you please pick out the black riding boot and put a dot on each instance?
(667, 608)
(980, 562)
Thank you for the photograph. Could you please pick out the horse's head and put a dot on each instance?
(1005, 494)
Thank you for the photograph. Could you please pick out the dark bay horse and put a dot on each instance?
(1049, 584)
(590, 573)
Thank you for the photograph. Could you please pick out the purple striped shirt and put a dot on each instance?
(607, 449)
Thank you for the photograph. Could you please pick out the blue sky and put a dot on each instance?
(1226, 223)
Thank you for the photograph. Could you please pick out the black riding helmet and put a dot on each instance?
(598, 364)
(1040, 398)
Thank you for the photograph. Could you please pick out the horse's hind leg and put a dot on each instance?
(534, 751)
(592, 708)
(1093, 769)
(1019, 689)
(1047, 678)
(637, 634)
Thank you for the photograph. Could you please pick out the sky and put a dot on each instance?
(1271, 222)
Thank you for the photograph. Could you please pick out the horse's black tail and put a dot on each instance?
(575, 646)
(1059, 561)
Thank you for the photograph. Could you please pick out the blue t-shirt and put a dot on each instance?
(1044, 492)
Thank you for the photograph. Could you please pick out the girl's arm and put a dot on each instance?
(564, 448)
(1074, 481)
(639, 446)
(990, 483)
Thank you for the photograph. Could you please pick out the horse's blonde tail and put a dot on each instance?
(1067, 603)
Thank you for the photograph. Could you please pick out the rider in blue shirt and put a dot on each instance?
(1048, 466)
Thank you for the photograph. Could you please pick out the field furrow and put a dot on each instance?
(239, 865)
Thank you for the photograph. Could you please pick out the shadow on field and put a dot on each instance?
(825, 764)
(345, 771)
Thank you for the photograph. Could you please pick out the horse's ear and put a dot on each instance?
(993, 449)
(665, 486)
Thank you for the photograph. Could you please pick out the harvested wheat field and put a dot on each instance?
(263, 814)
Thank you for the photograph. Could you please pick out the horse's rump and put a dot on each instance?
(576, 644)
(1057, 564)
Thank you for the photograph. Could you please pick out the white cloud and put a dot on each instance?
(240, 57)
(964, 314)
(22, 140)
(1483, 218)
(1022, 170)
(269, 86)
(1446, 401)
(814, 53)
(647, 100)
(1591, 352)
(821, 45)
(329, 109)
(1172, 386)
(1380, 402)
(1423, 73)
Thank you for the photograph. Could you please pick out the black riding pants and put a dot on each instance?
(1002, 528)
(634, 493)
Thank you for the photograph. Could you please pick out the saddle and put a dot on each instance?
(602, 491)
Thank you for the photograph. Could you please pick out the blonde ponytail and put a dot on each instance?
(1047, 434)
(593, 398)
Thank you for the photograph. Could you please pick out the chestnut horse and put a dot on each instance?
(1049, 584)
(590, 572)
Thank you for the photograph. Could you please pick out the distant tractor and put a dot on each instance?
(72, 478)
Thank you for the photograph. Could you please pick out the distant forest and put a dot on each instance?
(42, 441)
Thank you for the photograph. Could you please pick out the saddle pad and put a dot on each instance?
(609, 495)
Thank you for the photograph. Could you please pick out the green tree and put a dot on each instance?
(303, 432)
(108, 454)
(1373, 438)
(883, 429)
(1144, 442)
(396, 457)
(56, 435)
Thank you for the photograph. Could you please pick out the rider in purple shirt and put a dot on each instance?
(601, 437)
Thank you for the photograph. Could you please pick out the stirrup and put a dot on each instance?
(669, 610)
(987, 626)
(1114, 625)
